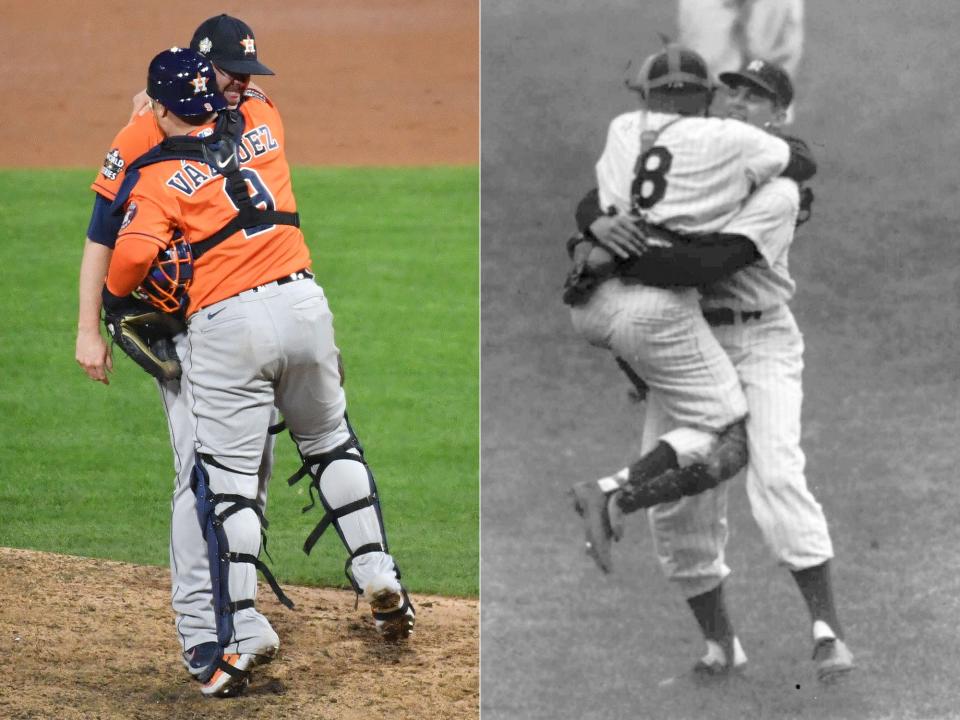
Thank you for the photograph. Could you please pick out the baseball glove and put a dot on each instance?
(802, 165)
(144, 333)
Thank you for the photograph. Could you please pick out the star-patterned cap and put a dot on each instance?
(229, 44)
(184, 83)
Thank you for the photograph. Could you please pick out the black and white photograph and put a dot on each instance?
(719, 378)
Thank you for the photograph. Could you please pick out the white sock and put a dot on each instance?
(821, 631)
(614, 482)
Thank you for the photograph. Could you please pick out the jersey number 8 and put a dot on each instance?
(650, 182)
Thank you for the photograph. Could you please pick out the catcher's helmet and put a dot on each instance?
(169, 278)
(184, 82)
(673, 67)
(769, 78)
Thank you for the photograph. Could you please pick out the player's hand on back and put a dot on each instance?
(141, 103)
(619, 235)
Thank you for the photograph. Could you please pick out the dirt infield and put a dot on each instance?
(381, 82)
(94, 639)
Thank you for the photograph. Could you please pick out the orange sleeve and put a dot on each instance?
(130, 143)
(148, 227)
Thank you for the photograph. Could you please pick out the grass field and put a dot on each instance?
(86, 469)
(877, 301)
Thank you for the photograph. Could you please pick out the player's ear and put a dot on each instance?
(779, 115)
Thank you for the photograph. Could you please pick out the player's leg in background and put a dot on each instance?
(769, 358)
(313, 404)
(714, 29)
(774, 32)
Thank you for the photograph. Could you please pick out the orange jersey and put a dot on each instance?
(179, 196)
(131, 142)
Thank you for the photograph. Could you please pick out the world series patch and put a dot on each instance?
(112, 164)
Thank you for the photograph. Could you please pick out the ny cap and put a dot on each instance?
(229, 44)
(767, 77)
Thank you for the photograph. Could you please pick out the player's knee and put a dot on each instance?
(343, 481)
(730, 454)
(243, 531)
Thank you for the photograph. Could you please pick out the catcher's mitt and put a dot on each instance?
(144, 333)
(802, 165)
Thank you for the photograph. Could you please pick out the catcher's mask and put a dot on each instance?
(675, 68)
(169, 278)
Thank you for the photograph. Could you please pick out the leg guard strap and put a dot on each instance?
(331, 517)
(267, 575)
(316, 465)
(341, 452)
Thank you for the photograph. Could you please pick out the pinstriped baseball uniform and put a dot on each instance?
(767, 353)
(693, 178)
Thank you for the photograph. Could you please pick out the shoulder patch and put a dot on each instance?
(112, 164)
(129, 216)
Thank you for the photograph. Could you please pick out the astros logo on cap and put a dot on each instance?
(249, 45)
(199, 84)
(755, 66)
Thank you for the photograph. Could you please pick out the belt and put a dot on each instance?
(292, 277)
(726, 316)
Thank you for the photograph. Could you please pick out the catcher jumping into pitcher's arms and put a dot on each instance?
(250, 252)
(657, 330)
(745, 286)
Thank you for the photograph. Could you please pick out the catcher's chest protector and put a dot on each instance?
(219, 152)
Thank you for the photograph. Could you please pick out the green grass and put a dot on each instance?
(86, 469)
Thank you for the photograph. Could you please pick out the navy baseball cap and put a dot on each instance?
(184, 83)
(765, 76)
(229, 44)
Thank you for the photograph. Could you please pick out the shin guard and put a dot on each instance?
(218, 549)
(355, 492)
